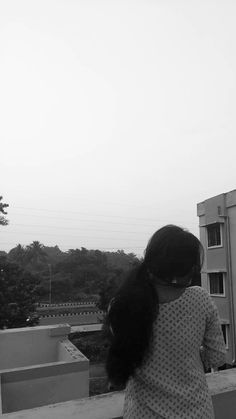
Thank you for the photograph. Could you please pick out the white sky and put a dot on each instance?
(116, 117)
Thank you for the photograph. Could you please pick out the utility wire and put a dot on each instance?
(69, 235)
(76, 228)
(95, 215)
(105, 222)
(87, 214)
(83, 220)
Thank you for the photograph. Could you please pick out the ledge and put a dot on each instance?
(105, 406)
(222, 387)
(222, 381)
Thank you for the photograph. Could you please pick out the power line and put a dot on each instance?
(85, 213)
(76, 237)
(76, 228)
(83, 195)
(106, 222)
(82, 220)
(93, 215)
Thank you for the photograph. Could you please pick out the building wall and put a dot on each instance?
(29, 383)
(215, 260)
(27, 391)
(30, 346)
(232, 224)
(212, 210)
(67, 352)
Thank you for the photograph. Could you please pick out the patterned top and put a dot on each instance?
(171, 382)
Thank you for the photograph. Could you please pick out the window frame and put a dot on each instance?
(209, 285)
(221, 236)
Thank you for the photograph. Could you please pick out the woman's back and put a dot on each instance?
(158, 324)
(171, 381)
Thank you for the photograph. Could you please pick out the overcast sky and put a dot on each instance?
(116, 117)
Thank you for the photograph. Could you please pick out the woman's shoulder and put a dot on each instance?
(199, 299)
(196, 289)
(199, 293)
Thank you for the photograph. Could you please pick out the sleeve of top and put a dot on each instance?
(213, 346)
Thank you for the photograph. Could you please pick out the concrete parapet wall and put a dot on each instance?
(30, 345)
(67, 352)
(110, 406)
(31, 378)
(222, 386)
(43, 385)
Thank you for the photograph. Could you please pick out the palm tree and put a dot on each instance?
(18, 255)
(36, 256)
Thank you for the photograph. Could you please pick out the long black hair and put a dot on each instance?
(172, 254)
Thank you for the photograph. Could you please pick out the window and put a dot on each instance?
(225, 330)
(216, 283)
(214, 235)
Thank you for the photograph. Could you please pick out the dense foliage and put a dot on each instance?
(78, 274)
(18, 295)
(93, 345)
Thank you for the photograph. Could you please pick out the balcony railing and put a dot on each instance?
(222, 386)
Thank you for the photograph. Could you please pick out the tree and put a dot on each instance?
(109, 288)
(3, 220)
(122, 260)
(36, 257)
(119, 264)
(18, 296)
(18, 255)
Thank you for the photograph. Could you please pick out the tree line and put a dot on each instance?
(75, 275)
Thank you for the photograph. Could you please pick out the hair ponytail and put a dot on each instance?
(130, 317)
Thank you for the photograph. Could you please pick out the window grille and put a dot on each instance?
(216, 281)
(214, 235)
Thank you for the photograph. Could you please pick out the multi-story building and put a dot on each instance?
(217, 216)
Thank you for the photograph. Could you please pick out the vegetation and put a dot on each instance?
(18, 295)
(3, 220)
(93, 345)
(76, 275)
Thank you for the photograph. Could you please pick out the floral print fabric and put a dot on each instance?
(171, 382)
